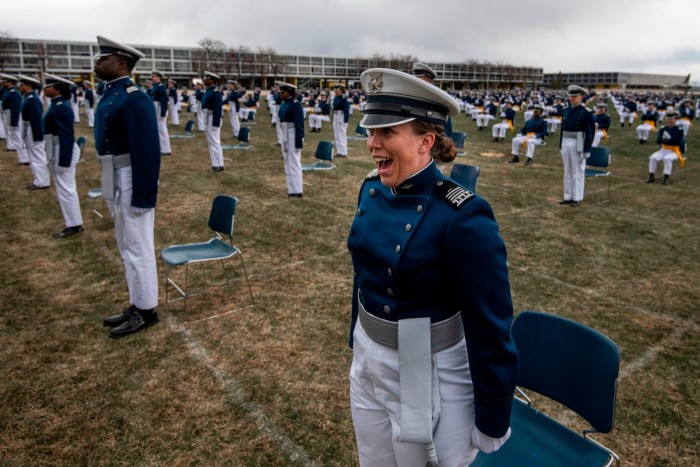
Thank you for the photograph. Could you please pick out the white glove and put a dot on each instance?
(486, 443)
(136, 212)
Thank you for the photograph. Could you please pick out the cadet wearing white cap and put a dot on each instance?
(234, 106)
(291, 121)
(160, 100)
(649, 119)
(62, 152)
(322, 111)
(672, 146)
(341, 116)
(126, 139)
(507, 116)
(577, 129)
(89, 99)
(431, 306)
(33, 137)
(424, 72)
(602, 124)
(530, 136)
(213, 107)
(11, 110)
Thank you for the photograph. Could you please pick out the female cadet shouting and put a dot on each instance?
(434, 365)
(62, 152)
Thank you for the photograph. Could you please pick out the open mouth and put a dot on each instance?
(383, 164)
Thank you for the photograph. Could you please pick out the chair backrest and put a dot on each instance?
(459, 138)
(570, 363)
(244, 135)
(223, 210)
(324, 151)
(189, 126)
(360, 131)
(251, 115)
(466, 175)
(80, 142)
(600, 157)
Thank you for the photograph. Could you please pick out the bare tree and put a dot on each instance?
(246, 60)
(8, 44)
(42, 54)
(214, 54)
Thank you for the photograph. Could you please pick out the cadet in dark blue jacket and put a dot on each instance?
(62, 152)
(671, 148)
(11, 111)
(291, 118)
(577, 130)
(431, 304)
(34, 145)
(89, 99)
(341, 116)
(127, 143)
(234, 106)
(531, 135)
(602, 124)
(498, 131)
(160, 100)
(213, 107)
(173, 102)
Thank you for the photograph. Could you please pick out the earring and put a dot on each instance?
(421, 151)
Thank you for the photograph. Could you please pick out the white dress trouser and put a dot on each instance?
(213, 133)
(643, 131)
(685, 125)
(574, 169)
(233, 119)
(375, 403)
(201, 122)
(134, 235)
(626, 116)
(66, 188)
(482, 120)
(553, 124)
(597, 138)
(340, 132)
(163, 136)
(90, 116)
(499, 129)
(531, 143)
(173, 111)
(36, 151)
(665, 155)
(316, 119)
(76, 111)
(3, 131)
(292, 161)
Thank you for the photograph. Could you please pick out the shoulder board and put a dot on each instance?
(30, 96)
(453, 193)
(373, 174)
(59, 103)
(132, 88)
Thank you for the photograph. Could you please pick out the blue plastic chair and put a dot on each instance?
(221, 218)
(324, 160)
(189, 131)
(466, 175)
(598, 163)
(459, 139)
(573, 365)
(360, 133)
(243, 140)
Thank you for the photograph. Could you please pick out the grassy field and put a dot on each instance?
(225, 383)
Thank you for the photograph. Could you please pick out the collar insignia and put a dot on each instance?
(407, 186)
(375, 83)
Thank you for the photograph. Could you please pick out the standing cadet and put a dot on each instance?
(33, 137)
(213, 106)
(197, 107)
(531, 135)
(3, 131)
(11, 109)
(160, 99)
(89, 99)
(75, 102)
(672, 147)
(62, 152)
(126, 138)
(341, 115)
(173, 102)
(234, 106)
(291, 122)
(577, 129)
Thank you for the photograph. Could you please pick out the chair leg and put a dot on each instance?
(245, 272)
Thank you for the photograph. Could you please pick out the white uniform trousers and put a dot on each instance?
(528, 114)
(244, 113)
(233, 119)
(499, 129)
(14, 134)
(574, 169)
(66, 188)
(90, 116)
(375, 403)
(292, 160)
(597, 138)
(213, 133)
(36, 151)
(174, 115)
(276, 120)
(626, 116)
(315, 120)
(531, 144)
(665, 155)
(340, 132)
(134, 235)
(163, 136)
(3, 131)
(482, 120)
(643, 131)
(553, 124)
(684, 124)
(201, 121)
(76, 111)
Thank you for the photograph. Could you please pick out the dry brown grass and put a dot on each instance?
(226, 384)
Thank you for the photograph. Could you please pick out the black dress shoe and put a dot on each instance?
(575, 204)
(514, 160)
(31, 187)
(565, 201)
(166, 154)
(295, 195)
(34, 187)
(116, 320)
(216, 169)
(651, 178)
(138, 320)
(529, 161)
(68, 232)
(341, 155)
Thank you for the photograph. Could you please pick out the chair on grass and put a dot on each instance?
(81, 145)
(360, 134)
(189, 131)
(466, 175)
(571, 364)
(95, 194)
(250, 120)
(221, 218)
(324, 159)
(459, 138)
(598, 163)
(243, 140)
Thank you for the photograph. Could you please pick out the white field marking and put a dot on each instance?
(236, 391)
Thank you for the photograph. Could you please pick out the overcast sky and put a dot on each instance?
(649, 36)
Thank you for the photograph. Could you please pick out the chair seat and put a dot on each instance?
(228, 147)
(215, 248)
(95, 193)
(181, 136)
(596, 173)
(538, 440)
(317, 166)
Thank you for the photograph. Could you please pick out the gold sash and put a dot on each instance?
(677, 150)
